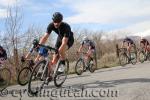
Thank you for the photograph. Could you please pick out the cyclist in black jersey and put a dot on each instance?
(128, 43)
(144, 44)
(3, 53)
(3, 57)
(65, 37)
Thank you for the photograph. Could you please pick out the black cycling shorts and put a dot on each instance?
(59, 42)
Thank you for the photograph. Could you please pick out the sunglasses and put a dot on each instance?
(57, 21)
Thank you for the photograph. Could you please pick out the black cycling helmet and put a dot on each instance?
(35, 42)
(57, 17)
(1, 48)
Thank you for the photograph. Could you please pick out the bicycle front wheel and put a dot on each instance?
(5, 74)
(35, 82)
(123, 59)
(79, 67)
(133, 57)
(92, 66)
(60, 78)
(24, 75)
(141, 56)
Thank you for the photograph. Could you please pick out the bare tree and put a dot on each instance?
(13, 26)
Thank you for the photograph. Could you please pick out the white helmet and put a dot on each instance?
(85, 38)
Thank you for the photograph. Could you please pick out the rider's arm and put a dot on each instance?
(80, 48)
(146, 44)
(46, 35)
(28, 55)
(64, 43)
(44, 38)
(30, 52)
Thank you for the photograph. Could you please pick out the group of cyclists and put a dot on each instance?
(129, 43)
(65, 41)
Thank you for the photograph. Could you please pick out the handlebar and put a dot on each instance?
(49, 48)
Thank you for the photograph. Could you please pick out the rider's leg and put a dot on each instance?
(129, 49)
(37, 58)
(53, 62)
(55, 56)
(89, 55)
(148, 48)
(94, 57)
(62, 52)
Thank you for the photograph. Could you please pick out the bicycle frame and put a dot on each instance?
(47, 64)
(82, 56)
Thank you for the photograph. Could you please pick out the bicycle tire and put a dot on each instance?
(79, 72)
(148, 56)
(6, 75)
(26, 72)
(91, 66)
(34, 77)
(123, 59)
(57, 76)
(134, 58)
(141, 56)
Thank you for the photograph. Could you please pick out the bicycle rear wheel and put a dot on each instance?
(24, 75)
(123, 59)
(60, 78)
(6, 76)
(92, 67)
(35, 82)
(79, 67)
(148, 56)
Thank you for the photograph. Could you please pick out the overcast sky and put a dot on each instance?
(108, 15)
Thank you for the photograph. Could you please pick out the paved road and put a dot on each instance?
(118, 83)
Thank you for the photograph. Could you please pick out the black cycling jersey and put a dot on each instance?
(128, 40)
(64, 30)
(144, 41)
(3, 54)
(88, 43)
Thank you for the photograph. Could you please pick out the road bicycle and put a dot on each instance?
(125, 58)
(40, 74)
(83, 65)
(143, 56)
